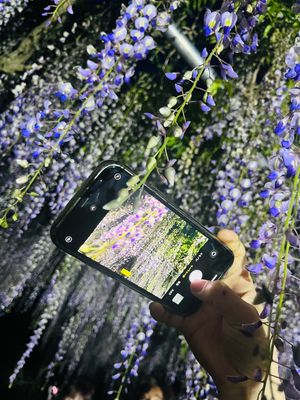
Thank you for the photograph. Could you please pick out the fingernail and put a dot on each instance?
(198, 285)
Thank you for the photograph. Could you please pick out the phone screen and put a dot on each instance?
(149, 245)
(147, 242)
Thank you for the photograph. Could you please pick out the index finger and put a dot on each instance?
(237, 277)
(233, 242)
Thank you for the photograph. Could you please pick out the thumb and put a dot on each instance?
(225, 301)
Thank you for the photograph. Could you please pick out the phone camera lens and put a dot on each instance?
(117, 176)
(93, 207)
(68, 239)
(213, 254)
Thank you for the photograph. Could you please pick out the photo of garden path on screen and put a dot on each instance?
(150, 246)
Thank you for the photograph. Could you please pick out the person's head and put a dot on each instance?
(154, 393)
(148, 388)
(81, 389)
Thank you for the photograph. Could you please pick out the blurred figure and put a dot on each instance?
(148, 388)
(155, 393)
(81, 389)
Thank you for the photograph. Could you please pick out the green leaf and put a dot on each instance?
(151, 163)
(15, 217)
(267, 30)
(112, 205)
(47, 162)
(172, 102)
(188, 75)
(169, 121)
(153, 142)
(170, 175)
(34, 194)
(17, 195)
(22, 163)
(165, 111)
(215, 86)
(123, 194)
(133, 181)
(177, 131)
(3, 223)
(22, 179)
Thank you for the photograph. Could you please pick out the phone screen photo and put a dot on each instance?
(150, 246)
(147, 242)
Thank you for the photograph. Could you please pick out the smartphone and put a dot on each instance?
(148, 243)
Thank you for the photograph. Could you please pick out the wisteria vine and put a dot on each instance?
(254, 184)
(48, 131)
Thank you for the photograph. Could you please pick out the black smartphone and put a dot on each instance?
(150, 245)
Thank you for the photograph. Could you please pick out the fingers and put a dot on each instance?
(159, 313)
(224, 301)
(237, 277)
(237, 270)
(232, 241)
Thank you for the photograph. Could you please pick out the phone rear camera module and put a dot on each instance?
(117, 176)
(68, 239)
(93, 207)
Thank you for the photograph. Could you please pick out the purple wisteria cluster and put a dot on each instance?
(241, 198)
(283, 171)
(51, 305)
(231, 196)
(32, 262)
(129, 42)
(244, 17)
(199, 385)
(53, 10)
(235, 23)
(46, 134)
(9, 8)
(136, 347)
(233, 29)
(84, 306)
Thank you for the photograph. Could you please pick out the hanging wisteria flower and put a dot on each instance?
(126, 50)
(57, 9)
(228, 21)
(103, 77)
(170, 114)
(135, 350)
(83, 124)
(66, 91)
(211, 22)
(9, 8)
(228, 72)
(150, 11)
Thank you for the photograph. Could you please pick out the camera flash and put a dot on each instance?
(68, 239)
(93, 207)
(117, 176)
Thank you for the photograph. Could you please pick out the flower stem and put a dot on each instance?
(284, 250)
(119, 392)
(187, 98)
(47, 160)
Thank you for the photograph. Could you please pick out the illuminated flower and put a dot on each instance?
(228, 21)
(211, 22)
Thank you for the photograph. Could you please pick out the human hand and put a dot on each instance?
(214, 332)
